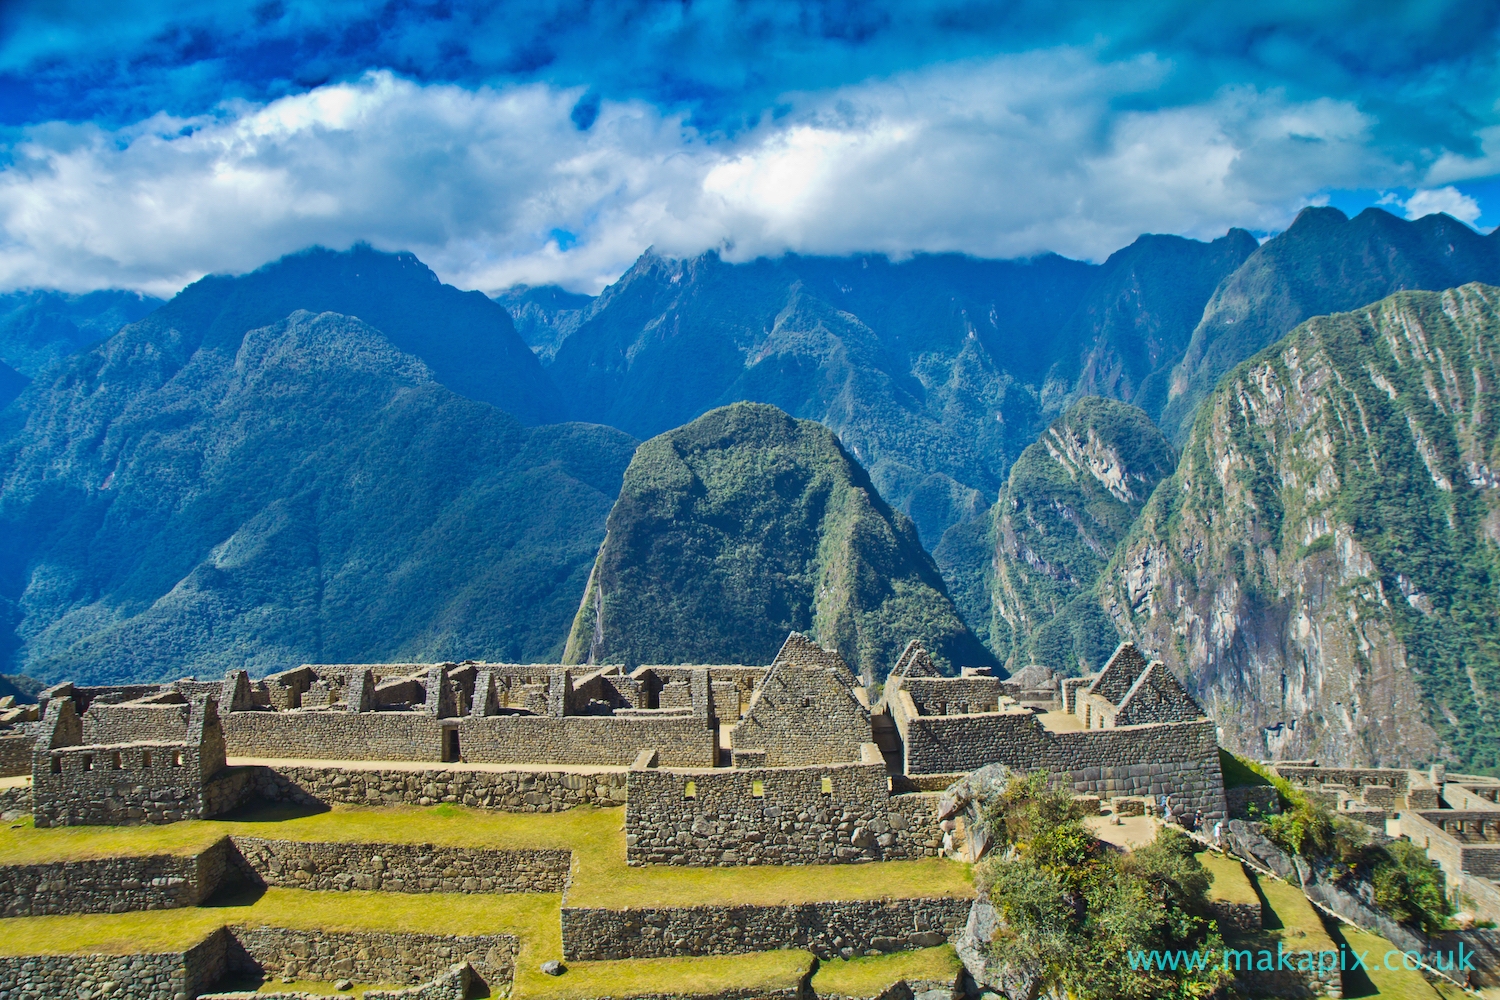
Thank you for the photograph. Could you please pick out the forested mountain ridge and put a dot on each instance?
(935, 372)
(746, 524)
(1323, 263)
(1324, 565)
(174, 504)
(1071, 498)
(38, 328)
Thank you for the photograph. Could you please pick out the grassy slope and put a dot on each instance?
(747, 524)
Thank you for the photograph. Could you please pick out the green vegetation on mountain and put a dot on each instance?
(935, 372)
(1324, 565)
(11, 384)
(466, 340)
(1325, 262)
(1071, 498)
(40, 328)
(308, 492)
(747, 524)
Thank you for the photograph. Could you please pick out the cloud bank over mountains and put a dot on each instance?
(209, 139)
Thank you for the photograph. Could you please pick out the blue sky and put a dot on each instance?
(148, 144)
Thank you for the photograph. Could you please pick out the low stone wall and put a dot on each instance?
(827, 929)
(454, 984)
(413, 868)
(415, 736)
(15, 754)
(113, 885)
(1238, 918)
(508, 791)
(837, 814)
(1179, 759)
(369, 956)
(15, 800)
(152, 976)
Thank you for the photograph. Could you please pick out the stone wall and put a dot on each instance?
(414, 736)
(827, 929)
(508, 791)
(369, 956)
(15, 800)
(953, 695)
(773, 816)
(679, 740)
(413, 868)
(151, 976)
(106, 723)
(124, 785)
(455, 984)
(1176, 759)
(15, 754)
(113, 885)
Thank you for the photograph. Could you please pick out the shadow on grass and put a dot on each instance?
(273, 812)
(1357, 982)
(237, 894)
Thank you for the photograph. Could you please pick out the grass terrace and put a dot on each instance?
(601, 878)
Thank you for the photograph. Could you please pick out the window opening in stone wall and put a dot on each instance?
(88, 762)
(145, 758)
(827, 786)
(690, 790)
(115, 762)
(177, 759)
(56, 764)
(758, 789)
(450, 745)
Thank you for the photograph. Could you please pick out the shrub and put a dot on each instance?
(1075, 908)
(1411, 887)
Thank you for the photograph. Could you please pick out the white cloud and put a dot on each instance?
(1005, 157)
(1446, 199)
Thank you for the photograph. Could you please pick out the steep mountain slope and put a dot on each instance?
(11, 384)
(544, 315)
(38, 328)
(466, 340)
(306, 491)
(1139, 315)
(744, 525)
(1324, 564)
(1325, 262)
(1070, 500)
(935, 372)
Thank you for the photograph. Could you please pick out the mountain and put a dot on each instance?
(1138, 317)
(1071, 498)
(744, 525)
(935, 372)
(465, 339)
(544, 315)
(38, 328)
(1325, 262)
(1324, 564)
(11, 384)
(184, 499)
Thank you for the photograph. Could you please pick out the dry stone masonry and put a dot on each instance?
(340, 867)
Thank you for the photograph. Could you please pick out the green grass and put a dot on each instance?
(1231, 884)
(871, 976)
(766, 970)
(596, 837)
